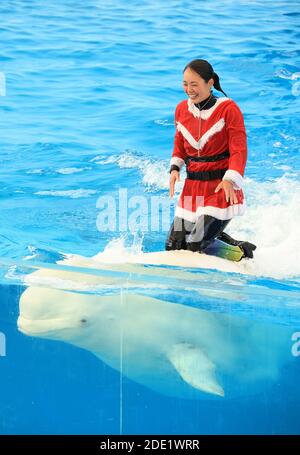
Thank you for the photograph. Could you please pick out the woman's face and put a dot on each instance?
(195, 87)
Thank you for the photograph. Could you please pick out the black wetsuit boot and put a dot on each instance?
(246, 247)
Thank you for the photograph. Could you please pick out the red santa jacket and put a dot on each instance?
(210, 132)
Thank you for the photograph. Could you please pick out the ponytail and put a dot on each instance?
(217, 85)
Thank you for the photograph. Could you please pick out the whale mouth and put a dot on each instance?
(41, 326)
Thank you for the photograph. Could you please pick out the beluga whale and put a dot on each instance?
(171, 348)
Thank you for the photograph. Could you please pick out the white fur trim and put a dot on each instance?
(219, 213)
(205, 113)
(218, 126)
(177, 161)
(234, 177)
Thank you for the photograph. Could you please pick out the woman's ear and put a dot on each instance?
(211, 82)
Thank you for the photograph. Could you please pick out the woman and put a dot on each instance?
(211, 140)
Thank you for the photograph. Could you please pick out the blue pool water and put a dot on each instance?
(88, 93)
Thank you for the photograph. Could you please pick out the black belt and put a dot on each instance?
(207, 159)
(206, 175)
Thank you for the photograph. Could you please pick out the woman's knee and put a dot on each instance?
(206, 230)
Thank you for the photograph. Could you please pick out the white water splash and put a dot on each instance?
(286, 74)
(73, 194)
(71, 170)
(116, 250)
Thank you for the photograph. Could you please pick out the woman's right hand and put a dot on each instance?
(173, 178)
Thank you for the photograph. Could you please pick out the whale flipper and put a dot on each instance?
(195, 368)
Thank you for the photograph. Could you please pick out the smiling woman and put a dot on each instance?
(211, 140)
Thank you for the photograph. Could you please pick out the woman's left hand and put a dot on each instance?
(229, 191)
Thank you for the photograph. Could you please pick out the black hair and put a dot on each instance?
(205, 70)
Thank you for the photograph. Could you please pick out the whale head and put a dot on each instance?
(55, 314)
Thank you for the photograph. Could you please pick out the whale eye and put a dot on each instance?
(83, 321)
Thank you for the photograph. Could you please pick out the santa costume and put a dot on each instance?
(211, 141)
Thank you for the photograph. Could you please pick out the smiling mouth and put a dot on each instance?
(28, 326)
